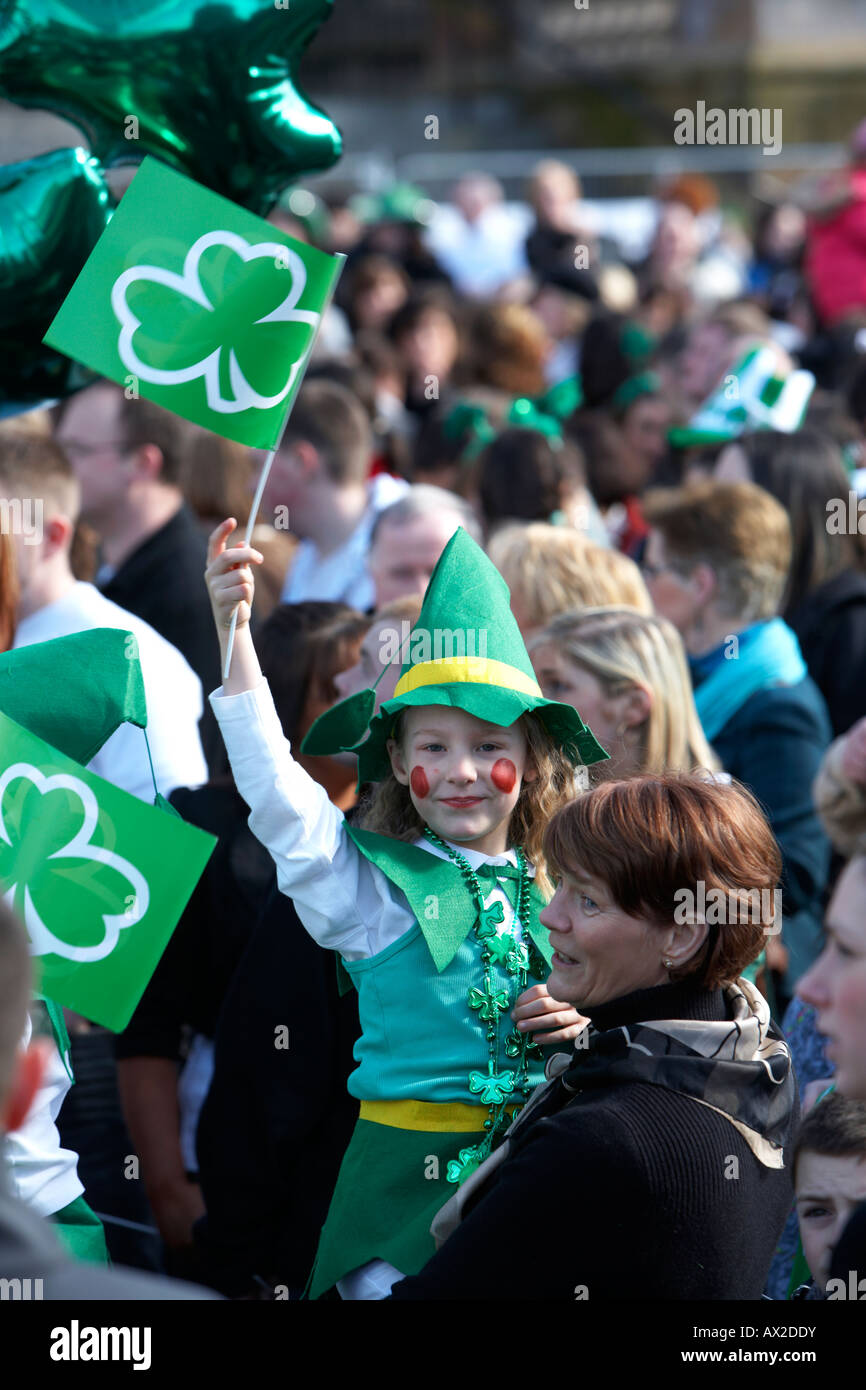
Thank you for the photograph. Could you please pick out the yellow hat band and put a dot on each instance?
(476, 670)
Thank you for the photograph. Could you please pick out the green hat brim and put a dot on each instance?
(496, 704)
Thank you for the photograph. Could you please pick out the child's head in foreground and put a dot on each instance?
(829, 1177)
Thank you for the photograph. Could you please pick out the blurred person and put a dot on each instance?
(376, 288)
(480, 244)
(713, 345)
(29, 1249)
(319, 485)
(679, 1070)
(835, 263)
(835, 986)
(552, 244)
(395, 223)
(616, 476)
(564, 315)
(163, 1076)
(627, 673)
(840, 791)
(829, 1172)
(128, 457)
(426, 333)
(51, 603)
(825, 597)
(644, 416)
(777, 250)
(508, 350)
(716, 564)
(409, 536)
(218, 479)
(552, 569)
(527, 475)
(836, 983)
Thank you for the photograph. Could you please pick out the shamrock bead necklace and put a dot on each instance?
(496, 1089)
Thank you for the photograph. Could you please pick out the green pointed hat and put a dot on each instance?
(466, 652)
(761, 400)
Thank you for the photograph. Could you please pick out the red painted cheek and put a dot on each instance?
(418, 782)
(503, 774)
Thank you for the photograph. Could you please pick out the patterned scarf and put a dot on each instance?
(740, 1067)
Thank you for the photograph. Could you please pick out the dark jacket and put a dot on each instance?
(162, 581)
(278, 1117)
(830, 625)
(774, 744)
(619, 1193)
(195, 970)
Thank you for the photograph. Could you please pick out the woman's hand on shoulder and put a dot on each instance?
(535, 1011)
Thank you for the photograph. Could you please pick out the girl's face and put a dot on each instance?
(600, 953)
(464, 775)
(836, 984)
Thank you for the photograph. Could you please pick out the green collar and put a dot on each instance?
(445, 911)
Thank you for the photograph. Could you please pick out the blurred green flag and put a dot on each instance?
(198, 305)
(98, 877)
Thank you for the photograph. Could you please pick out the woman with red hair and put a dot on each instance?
(654, 1163)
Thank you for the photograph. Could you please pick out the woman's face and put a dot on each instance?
(563, 680)
(670, 591)
(600, 952)
(430, 345)
(836, 984)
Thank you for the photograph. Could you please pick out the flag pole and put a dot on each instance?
(266, 466)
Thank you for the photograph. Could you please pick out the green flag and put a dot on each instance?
(98, 877)
(198, 305)
(74, 691)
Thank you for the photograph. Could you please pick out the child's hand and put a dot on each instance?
(535, 1010)
(229, 577)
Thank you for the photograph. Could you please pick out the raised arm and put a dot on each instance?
(344, 902)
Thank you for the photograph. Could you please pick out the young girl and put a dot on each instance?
(433, 905)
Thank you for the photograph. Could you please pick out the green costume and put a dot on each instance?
(441, 1068)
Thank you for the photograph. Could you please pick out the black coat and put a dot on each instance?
(626, 1192)
(830, 625)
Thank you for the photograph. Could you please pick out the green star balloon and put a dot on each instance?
(53, 210)
(210, 88)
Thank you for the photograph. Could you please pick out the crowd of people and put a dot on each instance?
(457, 969)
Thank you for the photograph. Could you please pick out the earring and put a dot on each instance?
(667, 964)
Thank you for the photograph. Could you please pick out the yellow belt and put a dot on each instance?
(453, 1117)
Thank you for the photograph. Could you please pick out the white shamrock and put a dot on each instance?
(42, 941)
(189, 284)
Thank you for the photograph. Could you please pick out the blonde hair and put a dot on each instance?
(553, 569)
(622, 649)
(739, 530)
(391, 811)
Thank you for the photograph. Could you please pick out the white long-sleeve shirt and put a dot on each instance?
(345, 902)
(42, 1173)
